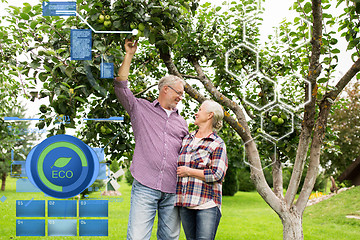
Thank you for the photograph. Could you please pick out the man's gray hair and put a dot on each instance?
(214, 107)
(169, 80)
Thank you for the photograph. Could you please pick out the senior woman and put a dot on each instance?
(201, 170)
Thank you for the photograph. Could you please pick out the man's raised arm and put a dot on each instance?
(130, 48)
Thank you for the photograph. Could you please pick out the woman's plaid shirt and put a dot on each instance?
(208, 154)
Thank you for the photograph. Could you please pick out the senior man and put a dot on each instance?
(158, 130)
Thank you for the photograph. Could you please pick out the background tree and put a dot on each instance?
(192, 43)
(345, 121)
(16, 142)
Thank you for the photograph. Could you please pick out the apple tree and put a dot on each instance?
(216, 48)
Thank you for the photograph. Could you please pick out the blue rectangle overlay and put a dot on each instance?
(81, 44)
(30, 208)
(93, 208)
(24, 185)
(100, 153)
(93, 227)
(102, 172)
(107, 70)
(27, 227)
(62, 208)
(59, 8)
(62, 227)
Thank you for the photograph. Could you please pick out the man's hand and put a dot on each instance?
(131, 46)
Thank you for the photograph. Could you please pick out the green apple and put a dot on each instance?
(107, 18)
(238, 61)
(132, 25)
(107, 24)
(140, 33)
(274, 118)
(280, 121)
(141, 27)
(103, 129)
(259, 130)
(101, 18)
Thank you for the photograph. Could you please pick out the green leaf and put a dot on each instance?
(77, 87)
(43, 76)
(323, 80)
(68, 72)
(79, 99)
(35, 64)
(171, 36)
(27, 8)
(65, 84)
(62, 96)
(24, 16)
(307, 7)
(61, 162)
(33, 24)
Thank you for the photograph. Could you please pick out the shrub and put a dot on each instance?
(128, 177)
(231, 183)
(245, 183)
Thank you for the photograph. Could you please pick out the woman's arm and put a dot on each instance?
(219, 165)
(183, 171)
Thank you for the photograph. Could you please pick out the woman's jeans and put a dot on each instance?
(200, 224)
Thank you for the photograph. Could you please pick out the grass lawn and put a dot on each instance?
(245, 216)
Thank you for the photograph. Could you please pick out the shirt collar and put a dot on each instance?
(156, 103)
(212, 136)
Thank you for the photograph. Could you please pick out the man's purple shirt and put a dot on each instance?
(158, 140)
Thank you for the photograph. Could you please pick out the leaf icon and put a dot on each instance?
(61, 162)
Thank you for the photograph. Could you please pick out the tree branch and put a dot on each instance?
(223, 100)
(139, 93)
(174, 71)
(277, 176)
(190, 76)
(310, 108)
(319, 135)
(257, 174)
(354, 69)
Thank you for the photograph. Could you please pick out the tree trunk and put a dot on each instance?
(3, 180)
(292, 226)
(277, 177)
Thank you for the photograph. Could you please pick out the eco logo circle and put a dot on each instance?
(62, 166)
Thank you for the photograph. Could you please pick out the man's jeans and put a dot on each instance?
(144, 203)
(200, 224)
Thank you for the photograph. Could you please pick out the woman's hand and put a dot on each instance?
(190, 172)
(183, 171)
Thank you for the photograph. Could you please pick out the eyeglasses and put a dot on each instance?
(181, 94)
